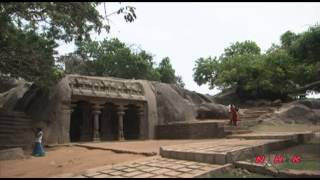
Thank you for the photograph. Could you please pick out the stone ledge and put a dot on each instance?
(255, 168)
(117, 150)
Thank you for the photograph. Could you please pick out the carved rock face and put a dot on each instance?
(80, 85)
(163, 102)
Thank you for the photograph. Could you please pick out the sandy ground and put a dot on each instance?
(142, 146)
(62, 160)
(73, 159)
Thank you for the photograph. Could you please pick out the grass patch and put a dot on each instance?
(284, 127)
(308, 152)
(304, 165)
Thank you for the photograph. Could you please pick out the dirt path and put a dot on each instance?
(62, 160)
(146, 146)
(73, 159)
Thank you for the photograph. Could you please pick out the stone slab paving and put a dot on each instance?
(223, 151)
(155, 167)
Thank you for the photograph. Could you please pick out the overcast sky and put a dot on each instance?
(186, 31)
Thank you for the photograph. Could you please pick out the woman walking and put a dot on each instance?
(38, 148)
(233, 115)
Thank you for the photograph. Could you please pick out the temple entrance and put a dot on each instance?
(81, 122)
(75, 124)
(109, 124)
(111, 121)
(131, 123)
(106, 109)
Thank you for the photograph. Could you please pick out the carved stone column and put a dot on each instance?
(120, 113)
(141, 116)
(86, 122)
(67, 109)
(96, 113)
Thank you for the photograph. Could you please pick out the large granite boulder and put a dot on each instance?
(11, 91)
(166, 103)
(300, 112)
(177, 104)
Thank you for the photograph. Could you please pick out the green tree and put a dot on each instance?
(287, 39)
(167, 73)
(29, 31)
(281, 71)
(206, 71)
(25, 54)
(110, 58)
(242, 48)
(179, 82)
(306, 50)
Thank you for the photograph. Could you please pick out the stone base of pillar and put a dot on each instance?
(121, 138)
(96, 140)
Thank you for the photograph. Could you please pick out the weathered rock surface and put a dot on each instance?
(166, 103)
(301, 111)
(11, 92)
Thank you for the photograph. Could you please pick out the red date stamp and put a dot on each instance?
(278, 159)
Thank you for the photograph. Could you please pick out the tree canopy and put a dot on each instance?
(277, 73)
(29, 31)
(167, 73)
(111, 57)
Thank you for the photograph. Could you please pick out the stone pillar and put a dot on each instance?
(96, 112)
(141, 122)
(120, 122)
(86, 120)
(67, 109)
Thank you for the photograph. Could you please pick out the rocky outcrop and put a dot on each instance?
(166, 104)
(301, 111)
(11, 91)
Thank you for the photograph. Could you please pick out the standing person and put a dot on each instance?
(230, 113)
(233, 115)
(38, 148)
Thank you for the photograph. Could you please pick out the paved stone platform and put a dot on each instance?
(223, 151)
(155, 167)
